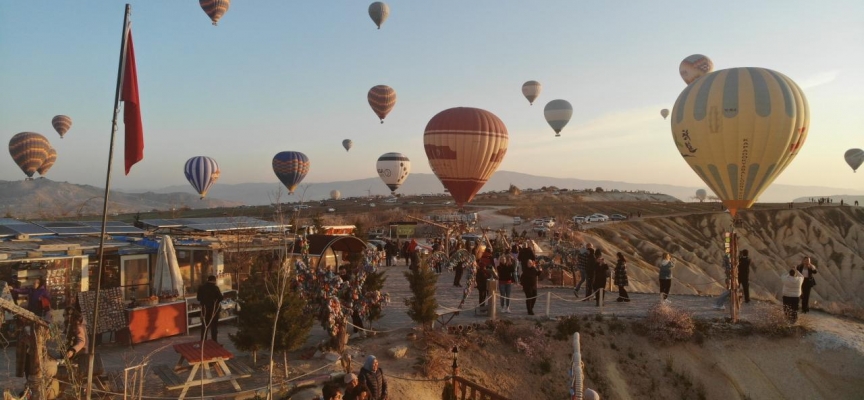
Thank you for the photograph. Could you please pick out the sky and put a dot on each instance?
(293, 75)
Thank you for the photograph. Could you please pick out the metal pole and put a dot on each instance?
(548, 303)
(735, 304)
(101, 251)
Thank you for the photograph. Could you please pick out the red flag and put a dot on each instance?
(132, 109)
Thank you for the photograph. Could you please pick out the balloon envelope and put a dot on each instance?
(335, 195)
(29, 150)
(738, 129)
(531, 90)
(694, 67)
(664, 113)
(854, 157)
(291, 167)
(49, 162)
(202, 172)
(61, 124)
(347, 144)
(382, 99)
(701, 194)
(393, 168)
(379, 11)
(464, 147)
(215, 9)
(558, 113)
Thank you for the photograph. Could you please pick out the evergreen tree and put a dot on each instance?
(422, 306)
(374, 283)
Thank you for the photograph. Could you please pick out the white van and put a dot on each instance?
(517, 220)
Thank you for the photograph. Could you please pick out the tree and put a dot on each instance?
(599, 189)
(422, 306)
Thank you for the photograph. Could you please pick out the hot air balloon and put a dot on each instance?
(701, 194)
(29, 150)
(694, 67)
(854, 157)
(215, 9)
(49, 162)
(379, 11)
(393, 168)
(202, 172)
(464, 147)
(531, 90)
(61, 124)
(558, 113)
(664, 113)
(382, 98)
(335, 195)
(291, 167)
(347, 144)
(738, 129)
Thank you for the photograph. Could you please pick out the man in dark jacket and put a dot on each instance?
(483, 276)
(529, 284)
(581, 264)
(210, 297)
(744, 273)
(807, 269)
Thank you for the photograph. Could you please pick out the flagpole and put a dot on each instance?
(101, 251)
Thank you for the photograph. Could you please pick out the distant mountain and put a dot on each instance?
(47, 199)
(266, 193)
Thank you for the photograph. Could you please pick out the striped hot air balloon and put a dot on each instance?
(381, 98)
(202, 172)
(215, 9)
(464, 147)
(854, 157)
(379, 11)
(29, 150)
(335, 195)
(531, 90)
(393, 168)
(558, 113)
(61, 124)
(695, 67)
(738, 129)
(291, 167)
(347, 144)
(49, 162)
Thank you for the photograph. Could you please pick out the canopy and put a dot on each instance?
(166, 275)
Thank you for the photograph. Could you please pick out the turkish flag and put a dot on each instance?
(132, 109)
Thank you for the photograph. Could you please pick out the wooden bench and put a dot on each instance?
(168, 376)
(239, 368)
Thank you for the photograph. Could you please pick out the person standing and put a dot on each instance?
(458, 269)
(791, 294)
(506, 276)
(528, 281)
(38, 299)
(483, 276)
(581, 265)
(665, 276)
(590, 269)
(389, 252)
(210, 298)
(372, 376)
(744, 273)
(601, 270)
(807, 270)
(76, 334)
(621, 278)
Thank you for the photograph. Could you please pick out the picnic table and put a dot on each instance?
(192, 358)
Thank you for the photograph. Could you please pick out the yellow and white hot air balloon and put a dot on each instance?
(738, 129)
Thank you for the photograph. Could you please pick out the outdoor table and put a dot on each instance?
(443, 316)
(192, 358)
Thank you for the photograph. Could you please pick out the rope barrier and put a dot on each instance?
(371, 330)
(589, 297)
(419, 380)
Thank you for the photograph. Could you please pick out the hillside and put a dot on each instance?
(46, 199)
(777, 239)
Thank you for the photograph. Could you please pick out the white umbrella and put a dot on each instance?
(166, 276)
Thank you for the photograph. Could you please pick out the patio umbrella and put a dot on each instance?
(166, 276)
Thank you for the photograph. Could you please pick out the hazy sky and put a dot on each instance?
(293, 75)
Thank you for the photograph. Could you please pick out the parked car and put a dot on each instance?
(390, 200)
(617, 217)
(331, 209)
(597, 218)
(517, 220)
(371, 204)
(578, 219)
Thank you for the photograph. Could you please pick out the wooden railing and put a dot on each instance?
(467, 390)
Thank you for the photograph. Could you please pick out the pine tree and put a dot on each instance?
(422, 306)
(374, 282)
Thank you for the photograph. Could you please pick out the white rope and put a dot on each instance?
(589, 297)
(371, 330)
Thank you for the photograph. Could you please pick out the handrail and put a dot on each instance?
(476, 392)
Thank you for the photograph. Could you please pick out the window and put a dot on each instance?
(135, 276)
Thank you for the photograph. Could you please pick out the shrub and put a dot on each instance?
(566, 327)
(667, 324)
(534, 344)
(770, 320)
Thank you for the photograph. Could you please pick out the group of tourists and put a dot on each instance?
(594, 272)
(369, 384)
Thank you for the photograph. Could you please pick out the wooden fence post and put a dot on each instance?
(548, 303)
